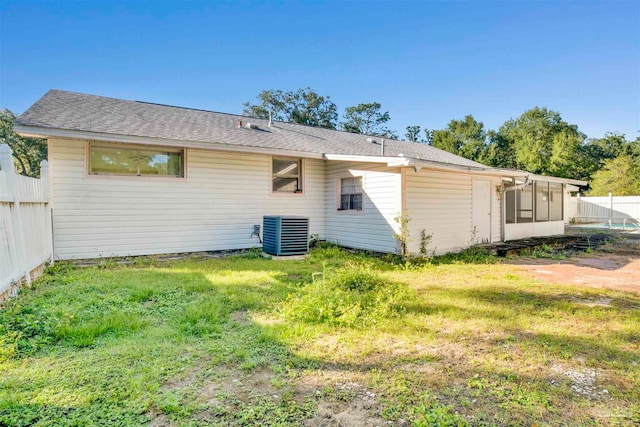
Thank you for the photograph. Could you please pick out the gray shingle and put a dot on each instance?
(80, 112)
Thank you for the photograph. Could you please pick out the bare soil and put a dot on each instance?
(618, 268)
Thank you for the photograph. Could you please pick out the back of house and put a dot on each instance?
(136, 178)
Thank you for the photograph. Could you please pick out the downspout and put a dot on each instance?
(503, 220)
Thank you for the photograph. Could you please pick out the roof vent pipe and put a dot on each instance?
(270, 122)
(382, 147)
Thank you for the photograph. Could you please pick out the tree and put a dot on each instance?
(270, 102)
(303, 106)
(606, 148)
(568, 158)
(27, 152)
(621, 176)
(536, 135)
(466, 138)
(500, 152)
(413, 134)
(367, 119)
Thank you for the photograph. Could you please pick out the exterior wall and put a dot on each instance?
(374, 227)
(533, 229)
(213, 208)
(441, 204)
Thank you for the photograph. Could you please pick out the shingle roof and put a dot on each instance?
(81, 112)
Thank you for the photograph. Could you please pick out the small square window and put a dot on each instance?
(286, 175)
(351, 194)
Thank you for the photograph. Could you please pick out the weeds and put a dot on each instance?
(450, 340)
(353, 296)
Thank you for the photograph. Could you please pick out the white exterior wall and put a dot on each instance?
(375, 226)
(441, 203)
(214, 208)
(533, 229)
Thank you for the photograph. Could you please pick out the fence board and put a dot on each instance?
(25, 224)
(600, 209)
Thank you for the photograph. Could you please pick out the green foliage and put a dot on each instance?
(536, 135)
(353, 296)
(367, 119)
(203, 342)
(413, 134)
(606, 148)
(436, 414)
(203, 317)
(304, 106)
(402, 234)
(425, 240)
(25, 329)
(621, 176)
(466, 138)
(27, 152)
(473, 255)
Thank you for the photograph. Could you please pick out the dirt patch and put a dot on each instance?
(343, 400)
(601, 270)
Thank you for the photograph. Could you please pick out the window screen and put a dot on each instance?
(524, 204)
(556, 203)
(542, 201)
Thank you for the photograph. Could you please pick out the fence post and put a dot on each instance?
(45, 177)
(610, 209)
(6, 164)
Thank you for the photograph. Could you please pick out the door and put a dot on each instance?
(481, 232)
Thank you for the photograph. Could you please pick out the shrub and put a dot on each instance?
(354, 295)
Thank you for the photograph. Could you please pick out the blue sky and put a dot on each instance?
(426, 62)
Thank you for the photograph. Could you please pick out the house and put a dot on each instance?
(137, 178)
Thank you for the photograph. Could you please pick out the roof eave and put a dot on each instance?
(44, 132)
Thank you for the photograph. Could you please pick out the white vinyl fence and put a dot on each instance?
(26, 242)
(617, 209)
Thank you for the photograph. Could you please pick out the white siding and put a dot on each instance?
(374, 228)
(213, 208)
(441, 204)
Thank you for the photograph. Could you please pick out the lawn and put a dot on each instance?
(337, 338)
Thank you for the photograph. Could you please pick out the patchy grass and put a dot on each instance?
(452, 341)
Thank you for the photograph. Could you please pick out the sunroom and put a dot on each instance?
(534, 206)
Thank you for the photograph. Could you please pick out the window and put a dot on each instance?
(287, 175)
(128, 160)
(351, 194)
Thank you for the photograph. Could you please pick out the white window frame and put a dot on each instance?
(143, 147)
(301, 177)
(338, 187)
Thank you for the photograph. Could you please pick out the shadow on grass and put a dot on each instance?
(188, 320)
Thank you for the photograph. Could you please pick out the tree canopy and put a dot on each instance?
(27, 152)
(620, 175)
(466, 138)
(367, 119)
(541, 141)
(304, 106)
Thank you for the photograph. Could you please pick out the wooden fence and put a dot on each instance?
(617, 209)
(26, 243)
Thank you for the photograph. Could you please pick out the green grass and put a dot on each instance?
(451, 341)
